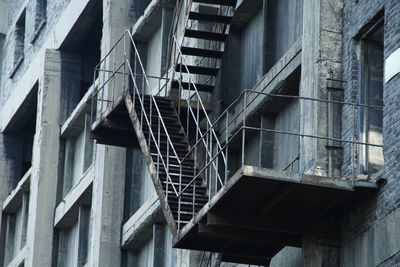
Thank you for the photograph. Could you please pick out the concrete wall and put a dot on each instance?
(154, 60)
(31, 48)
(282, 29)
(250, 50)
(286, 147)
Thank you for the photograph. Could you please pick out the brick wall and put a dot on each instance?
(34, 39)
(374, 210)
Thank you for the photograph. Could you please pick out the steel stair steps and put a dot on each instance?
(200, 52)
(187, 199)
(186, 165)
(174, 137)
(175, 178)
(213, 36)
(217, 2)
(186, 85)
(200, 190)
(209, 17)
(197, 70)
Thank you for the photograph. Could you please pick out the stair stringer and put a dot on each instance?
(150, 163)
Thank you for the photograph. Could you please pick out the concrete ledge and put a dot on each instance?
(245, 12)
(151, 20)
(19, 259)
(138, 228)
(76, 121)
(66, 212)
(14, 200)
(270, 83)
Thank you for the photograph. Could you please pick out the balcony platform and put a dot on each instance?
(115, 127)
(259, 211)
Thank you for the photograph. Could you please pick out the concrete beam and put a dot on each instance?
(149, 22)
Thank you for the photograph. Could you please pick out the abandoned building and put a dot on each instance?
(199, 133)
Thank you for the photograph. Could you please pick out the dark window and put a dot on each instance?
(371, 93)
(40, 18)
(19, 39)
(41, 6)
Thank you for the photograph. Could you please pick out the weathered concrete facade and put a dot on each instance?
(69, 201)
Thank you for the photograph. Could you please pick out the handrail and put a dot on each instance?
(197, 92)
(223, 114)
(154, 106)
(152, 96)
(152, 134)
(199, 102)
(243, 127)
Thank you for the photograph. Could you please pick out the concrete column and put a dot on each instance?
(320, 252)
(45, 164)
(321, 59)
(109, 162)
(107, 206)
(83, 235)
(158, 243)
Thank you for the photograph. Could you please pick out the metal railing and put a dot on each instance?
(195, 113)
(129, 69)
(235, 133)
(119, 62)
(213, 143)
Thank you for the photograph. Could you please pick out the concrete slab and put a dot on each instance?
(19, 258)
(151, 20)
(14, 200)
(259, 201)
(76, 121)
(139, 227)
(66, 212)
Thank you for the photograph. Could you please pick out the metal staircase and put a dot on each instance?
(246, 216)
(172, 175)
(204, 38)
(148, 118)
